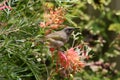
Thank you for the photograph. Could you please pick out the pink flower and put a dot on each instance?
(70, 60)
(4, 6)
(63, 59)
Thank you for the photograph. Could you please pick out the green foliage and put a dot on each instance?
(22, 59)
(115, 27)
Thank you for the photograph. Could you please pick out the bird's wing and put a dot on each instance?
(60, 36)
(55, 43)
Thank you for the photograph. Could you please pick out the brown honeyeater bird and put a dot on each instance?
(58, 38)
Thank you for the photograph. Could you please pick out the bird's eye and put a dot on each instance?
(69, 31)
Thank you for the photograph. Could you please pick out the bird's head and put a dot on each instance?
(68, 30)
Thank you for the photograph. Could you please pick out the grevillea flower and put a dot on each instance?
(4, 6)
(70, 60)
(73, 58)
(63, 59)
(53, 18)
(83, 51)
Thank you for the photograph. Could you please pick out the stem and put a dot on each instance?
(73, 43)
(47, 71)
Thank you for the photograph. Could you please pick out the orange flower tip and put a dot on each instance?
(54, 26)
(52, 49)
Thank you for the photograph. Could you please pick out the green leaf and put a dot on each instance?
(114, 27)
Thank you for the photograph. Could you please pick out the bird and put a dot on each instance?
(59, 38)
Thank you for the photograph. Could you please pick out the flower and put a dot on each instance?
(74, 58)
(53, 18)
(83, 50)
(4, 6)
(63, 59)
(70, 60)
